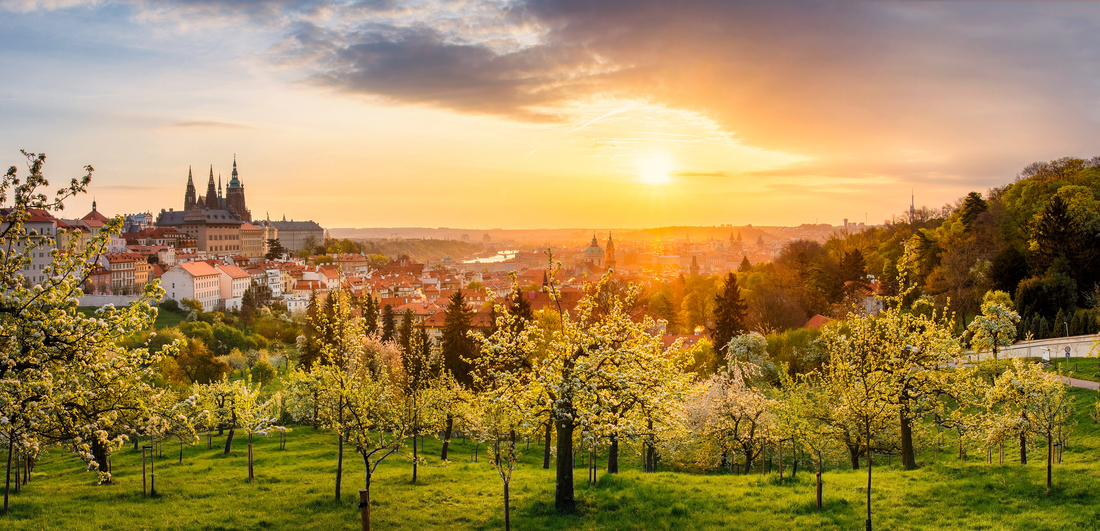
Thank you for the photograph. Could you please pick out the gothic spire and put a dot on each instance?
(211, 192)
(189, 195)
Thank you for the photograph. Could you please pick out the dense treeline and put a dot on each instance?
(1037, 239)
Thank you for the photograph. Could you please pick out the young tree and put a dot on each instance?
(255, 417)
(735, 415)
(500, 414)
(422, 389)
(996, 326)
(52, 351)
(861, 381)
(1035, 402)
(219, 400)
(362, 402)
(589, 352)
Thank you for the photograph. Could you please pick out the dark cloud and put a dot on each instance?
(419, 65)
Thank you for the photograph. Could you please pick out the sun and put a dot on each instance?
(655, 168)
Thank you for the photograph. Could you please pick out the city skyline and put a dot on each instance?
(532, 114)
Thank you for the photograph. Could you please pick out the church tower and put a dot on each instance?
(211, 192)
(234, 195)
(610, 251)
(189, 198)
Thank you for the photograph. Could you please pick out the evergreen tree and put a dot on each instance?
(311, 349)
(275, 250)
(389, 327)
(406, 330)
(519, 306)
(973, 206)
(369, 311)
(745, 266)
(457, 345)
(730, 312)
(1055, 235)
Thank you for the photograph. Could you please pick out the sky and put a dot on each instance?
(542, 113)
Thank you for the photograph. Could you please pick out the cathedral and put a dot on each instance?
(233, 200)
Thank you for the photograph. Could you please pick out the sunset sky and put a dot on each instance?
(543, 113)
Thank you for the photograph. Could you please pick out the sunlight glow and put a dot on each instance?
(655, 168)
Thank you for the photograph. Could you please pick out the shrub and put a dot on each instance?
(263, 373)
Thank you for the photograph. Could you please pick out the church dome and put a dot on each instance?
(594, 253)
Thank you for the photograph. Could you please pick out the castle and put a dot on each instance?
(233, 201)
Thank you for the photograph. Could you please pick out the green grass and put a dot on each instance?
(1080, 368)
(165, 319)
(294, 490)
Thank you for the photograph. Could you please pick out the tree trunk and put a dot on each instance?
(364, 506)
(7, 483)
(414, 458)
(229, 441)
(563, 493)
(613, 456)
(819, 490)
(546, 446)
(794, 465)
(1023, 449)
(339, 464)
(853, 454)
(780, 460)
(99, 453)
(251, 474)
(447, 437)
(908, 455)
(181, 451)
(507, 510)
(870, 463)
(1050, 459)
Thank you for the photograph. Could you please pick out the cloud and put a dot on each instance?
(835, 81)
(26, 6)
(208, 124)
(912, 90)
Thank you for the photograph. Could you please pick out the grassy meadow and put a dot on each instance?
(294, 490)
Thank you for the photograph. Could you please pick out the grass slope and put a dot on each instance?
(294, 490)
(165, 319)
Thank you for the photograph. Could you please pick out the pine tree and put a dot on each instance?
(369, 311)
(389, 328)
(311, 350)
(457, 345)
(973, 206)
(275, 250)
(519, 306)
(730, 311)
(406, 330)
(745, 266)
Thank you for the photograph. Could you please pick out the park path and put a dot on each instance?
(1083, 384)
